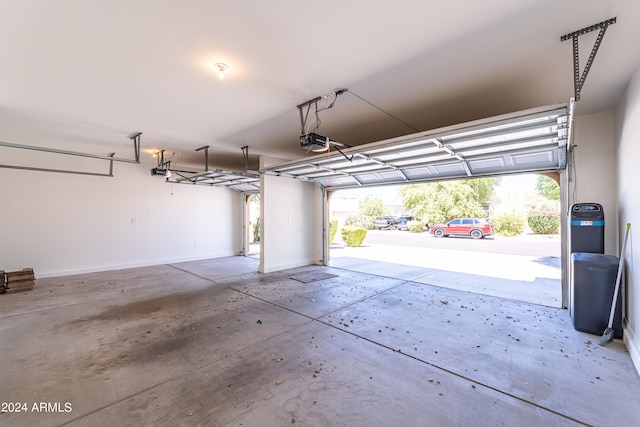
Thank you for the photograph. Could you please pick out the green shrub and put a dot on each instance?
(415, 226)
(544, 222)
(353, 236)
(360, 221)
(508, 224)
(333, 228)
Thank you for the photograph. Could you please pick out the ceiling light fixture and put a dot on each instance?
(222, 68)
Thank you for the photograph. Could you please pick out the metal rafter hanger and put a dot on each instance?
(206, 156)
(578, 80)
(134, 137)
(163, 167)
(312, 139)
(245, 155)
(197, 175)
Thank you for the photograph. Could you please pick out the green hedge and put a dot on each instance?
(415, 226)
(360, 221)
(544, 222)
(508, 224)
(333, 228)
(352, 236)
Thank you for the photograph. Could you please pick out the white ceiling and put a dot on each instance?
(83, 75)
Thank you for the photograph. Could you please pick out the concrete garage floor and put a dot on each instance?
(215, 343)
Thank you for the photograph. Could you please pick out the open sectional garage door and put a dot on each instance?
(527, 141)
(534, 140)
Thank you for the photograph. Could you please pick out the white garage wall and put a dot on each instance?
(628, 174)
(291, 234)
(594, 180)
(66, 224)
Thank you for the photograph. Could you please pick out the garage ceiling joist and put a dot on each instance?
(527, 141)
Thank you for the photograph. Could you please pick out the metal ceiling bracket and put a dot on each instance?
(245, 154)
(135, 138)
(162, 163)
(111, 164)
(206, 156)
(578, 80)
(304, 116)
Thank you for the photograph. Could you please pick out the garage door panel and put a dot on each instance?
(338, 181)
(487, 165)
(534, 159)
(448, 169)
(381, 177)
(420, 173)
(519, 142)
(526, 134)
(426, 149)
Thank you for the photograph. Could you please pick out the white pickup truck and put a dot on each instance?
(388, 222)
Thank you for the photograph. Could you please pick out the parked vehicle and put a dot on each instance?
(477, 228)
(387, 222)
(402, 222)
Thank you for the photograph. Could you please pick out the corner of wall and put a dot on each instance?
(290, 223)
(631, 341)
(628, 201)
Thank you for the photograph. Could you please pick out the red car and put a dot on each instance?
(477, 228)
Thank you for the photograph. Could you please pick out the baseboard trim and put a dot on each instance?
(41, 274)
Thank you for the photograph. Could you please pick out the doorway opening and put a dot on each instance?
(253, 225)
(521, 260)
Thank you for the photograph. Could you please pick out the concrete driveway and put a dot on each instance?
(525, 268)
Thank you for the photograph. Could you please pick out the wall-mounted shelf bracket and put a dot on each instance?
(578, 80)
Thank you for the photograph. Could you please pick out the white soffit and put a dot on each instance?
(526, 141)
